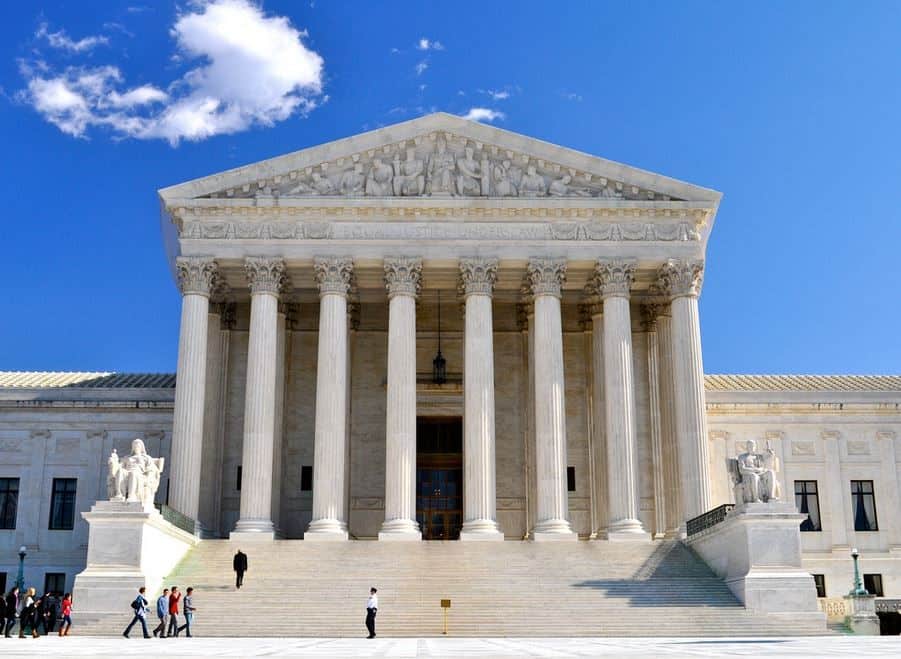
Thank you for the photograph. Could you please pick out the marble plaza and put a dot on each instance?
(440, 330)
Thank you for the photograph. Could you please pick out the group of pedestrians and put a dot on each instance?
(168, 606)
(38, 616)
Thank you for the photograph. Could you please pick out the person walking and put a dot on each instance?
(189, 613)
(162, 612)
(240, 566)
(66, 610)
(28, 614)
(140, 607)
(372, 607)
(2, 613)
(174, 599)
(12, 605)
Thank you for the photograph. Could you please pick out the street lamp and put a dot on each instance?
(20, 580)
(858, 582)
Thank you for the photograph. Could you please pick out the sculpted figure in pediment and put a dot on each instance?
(441, 170)
(532, 184)
(409, 178)
(378, 183)
(321, 185)
(610, 193)
(561, 188)
(353, 181)
(301, 188)
(502, 182)
(469, 179)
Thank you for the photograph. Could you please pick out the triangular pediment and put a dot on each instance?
(439, 156)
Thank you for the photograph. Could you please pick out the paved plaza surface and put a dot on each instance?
(833, 646)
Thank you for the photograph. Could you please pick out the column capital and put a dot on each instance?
(546, 276)
(264, 274)
(403, 276)
(613, 278)
(649, 314)
(678, 278)
(477, 276)
(197, 275)
(333, 274)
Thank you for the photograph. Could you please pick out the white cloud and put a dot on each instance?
(428, 44)
(63, 41)
(421, 67)
(498, 95)
(255, 70)
(571, 96)
(484, 114)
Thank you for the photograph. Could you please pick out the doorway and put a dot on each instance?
(439, 477)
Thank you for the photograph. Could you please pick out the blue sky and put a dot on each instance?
(791, 109)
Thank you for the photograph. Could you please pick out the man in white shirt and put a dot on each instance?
(372, 607)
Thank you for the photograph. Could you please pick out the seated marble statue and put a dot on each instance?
(532, 184)
(754, 475)
(409, 176)
(134, 478)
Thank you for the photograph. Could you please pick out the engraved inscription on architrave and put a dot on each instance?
(439, 165)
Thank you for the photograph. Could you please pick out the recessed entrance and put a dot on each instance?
(439, 477)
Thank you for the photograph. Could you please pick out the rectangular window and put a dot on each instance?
(863, 505)
(306, 478)
(55, 583)
(9, 502)
(820, 581)
(571, 479)
(808, 503)
(873, 584)
(238, 479)
(62, 504)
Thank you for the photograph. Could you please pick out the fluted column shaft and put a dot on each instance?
(667, 424)
(330, 447)
(599, 423)
(402, 278)
(480, 497)
(196, 276)
(682, 281)
(546, 277)
(649, 313)
(613, 281)
(266, 277)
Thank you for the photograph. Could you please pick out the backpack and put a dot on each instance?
(136, 605)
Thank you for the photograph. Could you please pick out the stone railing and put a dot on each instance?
(177, 519)
(835, 608)
(708, 519)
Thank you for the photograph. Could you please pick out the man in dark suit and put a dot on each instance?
(240, 566)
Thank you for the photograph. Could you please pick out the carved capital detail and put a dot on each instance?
(333, 274)
(681, 278)
(478, 276)
(613, 278)
(197, 275)
(264, 274)
(403, 276)
(649, 315)
(546, 276)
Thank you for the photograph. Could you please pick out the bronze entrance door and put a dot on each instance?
(439, 477)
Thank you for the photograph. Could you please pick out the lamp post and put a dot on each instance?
(858, 582)
(20, 580)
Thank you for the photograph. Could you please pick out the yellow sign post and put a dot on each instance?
(445, 604)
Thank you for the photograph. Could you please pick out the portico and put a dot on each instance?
(326, 298)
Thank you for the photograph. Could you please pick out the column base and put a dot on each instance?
(326, 530)
(481, 529)
(627, 529)
(552, 530)
(400, 530)
(253, 529)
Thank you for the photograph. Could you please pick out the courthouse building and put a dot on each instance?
(440, 330)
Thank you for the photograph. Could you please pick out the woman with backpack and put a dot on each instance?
(66, 611)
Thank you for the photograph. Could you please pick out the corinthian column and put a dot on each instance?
(546, 278)
(402, 279)
(266, 277)
(480, 498)
(330, 448)
(613, 281)
(195, 279)
(681, 281)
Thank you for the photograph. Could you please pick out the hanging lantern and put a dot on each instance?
(439, 364)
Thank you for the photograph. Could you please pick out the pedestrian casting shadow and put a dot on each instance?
(672, 575)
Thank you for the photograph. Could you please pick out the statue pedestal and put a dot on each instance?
(129, 545)
(863, 619)
(756, 550)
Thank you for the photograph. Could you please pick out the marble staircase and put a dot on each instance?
(293, 588)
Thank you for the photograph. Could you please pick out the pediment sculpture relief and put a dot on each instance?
(439, 166)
